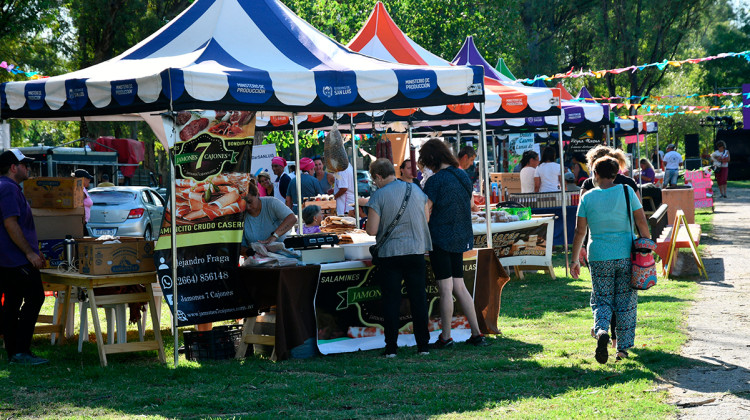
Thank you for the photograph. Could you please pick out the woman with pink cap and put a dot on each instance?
(310, 184)
(281, 183)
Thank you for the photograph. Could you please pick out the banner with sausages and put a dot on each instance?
(212, 155)
(349, 314)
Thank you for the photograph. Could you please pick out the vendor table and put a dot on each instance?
(90, 284)
(559, 235)
(525, 245)
(292, 291)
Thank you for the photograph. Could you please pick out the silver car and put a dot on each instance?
(126, 211)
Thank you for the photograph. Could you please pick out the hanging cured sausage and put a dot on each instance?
(334, 153)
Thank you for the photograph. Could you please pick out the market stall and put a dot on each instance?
(238, 55)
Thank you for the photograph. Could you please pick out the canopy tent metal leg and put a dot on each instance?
(638, 159)
(494, 153)
(658, 155)
(614, 139)
(458, 138)
(173, 230)
(484, 174)
(298, 176)
(608, 137)
(354, 170)
(562, 191)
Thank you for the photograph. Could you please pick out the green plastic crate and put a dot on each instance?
(523, 213)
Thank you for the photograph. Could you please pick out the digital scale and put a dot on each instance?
(313, 240)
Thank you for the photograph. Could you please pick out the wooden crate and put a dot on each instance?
(324, 205)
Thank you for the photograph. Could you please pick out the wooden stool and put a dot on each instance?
(249, 336)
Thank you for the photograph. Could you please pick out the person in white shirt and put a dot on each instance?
(343, 190)
(547, 176)
(529, 162)
(672, 163)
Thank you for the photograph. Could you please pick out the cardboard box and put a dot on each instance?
(131, 255)
(54, 193)
(57, 223)
(509, 181)
(52, 252)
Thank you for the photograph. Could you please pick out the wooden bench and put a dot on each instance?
(680, 234)
(683, 240)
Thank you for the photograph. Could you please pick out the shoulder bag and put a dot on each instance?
(374, 248)
(468, 190)
(643, 266)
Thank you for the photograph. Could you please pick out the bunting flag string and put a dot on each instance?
(660, 97)
(684, 110)
(649, 108)
(660, 65)
(12, 68)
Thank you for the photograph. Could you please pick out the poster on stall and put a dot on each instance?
(262, 156)
(348, 309)
(521, 142)
(212, 153)
(528, 242)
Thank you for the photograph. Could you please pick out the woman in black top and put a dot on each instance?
(449, 194)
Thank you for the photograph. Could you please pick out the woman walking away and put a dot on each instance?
(449, 193)
(592, 156)
(605, 211)
(720, 159)
(398, 219)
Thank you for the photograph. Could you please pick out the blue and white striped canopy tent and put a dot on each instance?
(627, 127)
(236, 55)
(239, 55)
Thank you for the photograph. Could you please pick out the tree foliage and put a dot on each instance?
(533, 36)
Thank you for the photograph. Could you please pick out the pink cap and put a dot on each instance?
(278, 161)
(306, 164)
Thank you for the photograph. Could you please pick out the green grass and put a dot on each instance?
(738, 184)
(542, 366)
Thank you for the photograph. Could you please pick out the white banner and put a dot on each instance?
(262, 156)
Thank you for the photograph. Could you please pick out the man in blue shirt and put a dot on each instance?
(20, 261)
(310, 185)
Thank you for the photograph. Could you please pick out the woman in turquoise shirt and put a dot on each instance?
(604, 211)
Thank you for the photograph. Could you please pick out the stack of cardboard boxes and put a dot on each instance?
(57, 207)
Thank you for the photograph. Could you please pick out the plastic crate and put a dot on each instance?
(523, 213)
(219, 343)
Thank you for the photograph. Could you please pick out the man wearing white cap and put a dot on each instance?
(20, 261)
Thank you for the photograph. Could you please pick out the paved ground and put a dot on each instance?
(719, 322)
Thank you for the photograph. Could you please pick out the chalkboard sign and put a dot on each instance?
(582, 145)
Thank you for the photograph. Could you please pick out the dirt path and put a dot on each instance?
(719, 322)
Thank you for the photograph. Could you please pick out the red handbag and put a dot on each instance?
(643, 265)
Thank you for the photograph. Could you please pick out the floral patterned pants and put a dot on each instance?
(612, 294)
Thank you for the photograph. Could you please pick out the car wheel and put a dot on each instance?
(148, 235)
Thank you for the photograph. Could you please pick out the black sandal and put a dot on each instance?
(602, 342)
(621, 355)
